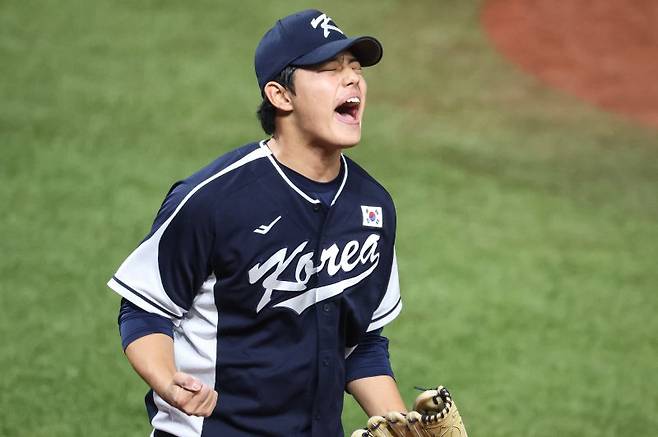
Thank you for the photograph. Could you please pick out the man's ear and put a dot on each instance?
(278, 96)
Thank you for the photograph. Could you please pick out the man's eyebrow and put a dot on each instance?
(348, 56)
(339, 59)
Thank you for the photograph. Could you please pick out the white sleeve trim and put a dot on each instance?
(386, 320)
(143, 302)
(391, 304)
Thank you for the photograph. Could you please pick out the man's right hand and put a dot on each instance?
(152, 356)
(190, 395)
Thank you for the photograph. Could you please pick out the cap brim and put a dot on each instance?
(366, 49)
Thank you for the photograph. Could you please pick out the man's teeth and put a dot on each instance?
(353, 100)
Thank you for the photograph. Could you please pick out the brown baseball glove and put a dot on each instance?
(434, 415)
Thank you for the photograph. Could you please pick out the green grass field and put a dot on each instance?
(528, 221)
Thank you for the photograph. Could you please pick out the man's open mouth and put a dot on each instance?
(348, 111)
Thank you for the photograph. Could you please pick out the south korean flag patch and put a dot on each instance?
(372, 216)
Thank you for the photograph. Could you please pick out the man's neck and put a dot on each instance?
(316, 163)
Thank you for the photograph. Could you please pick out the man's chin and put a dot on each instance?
(349, 146)
(349, 139)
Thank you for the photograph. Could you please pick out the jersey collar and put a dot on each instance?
(268, 153)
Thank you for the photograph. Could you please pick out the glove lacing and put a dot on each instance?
(444, 395)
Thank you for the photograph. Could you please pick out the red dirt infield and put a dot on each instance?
(603, 51)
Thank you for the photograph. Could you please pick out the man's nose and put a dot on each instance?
(350, 77)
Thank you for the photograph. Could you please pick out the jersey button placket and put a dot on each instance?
(326, 320)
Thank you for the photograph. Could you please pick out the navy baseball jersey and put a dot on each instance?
(269, 291)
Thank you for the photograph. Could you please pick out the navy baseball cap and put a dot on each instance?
(306, 38)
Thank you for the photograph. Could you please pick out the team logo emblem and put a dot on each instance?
(264, 229)
(372, 216)
(323, 22)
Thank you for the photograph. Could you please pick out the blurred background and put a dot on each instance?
(527, 219)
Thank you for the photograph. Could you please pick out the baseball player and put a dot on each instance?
(261, 291)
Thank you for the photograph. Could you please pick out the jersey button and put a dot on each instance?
(316, 207)
(325, 362)
(326, 308)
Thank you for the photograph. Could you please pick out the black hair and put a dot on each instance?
(266, 111)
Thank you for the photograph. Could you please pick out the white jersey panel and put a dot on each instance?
(195, 352)
(391, 304)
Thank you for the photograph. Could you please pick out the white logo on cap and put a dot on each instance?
(323, 21)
